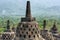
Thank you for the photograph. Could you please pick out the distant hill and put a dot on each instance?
(50, 11)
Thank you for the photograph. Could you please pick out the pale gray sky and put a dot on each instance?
(19, 6)
(46, 3)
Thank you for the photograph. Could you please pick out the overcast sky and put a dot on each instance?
(35, 4)
(42, 3)
(46, 3)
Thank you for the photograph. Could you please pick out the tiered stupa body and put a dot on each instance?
(45, 33)
(54, 29)
(8, 35)
(54, 32)
(28, 29)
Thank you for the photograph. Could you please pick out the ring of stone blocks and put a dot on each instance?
(28, 30)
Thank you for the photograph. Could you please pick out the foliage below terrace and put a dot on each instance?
(15, 20)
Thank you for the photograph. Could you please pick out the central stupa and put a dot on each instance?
(28, 28)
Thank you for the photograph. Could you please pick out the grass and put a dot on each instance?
(2, 29)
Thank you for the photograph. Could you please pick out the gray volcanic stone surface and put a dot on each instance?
(28, 31)
(46, 35)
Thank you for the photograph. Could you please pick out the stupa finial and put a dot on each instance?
(28, 10)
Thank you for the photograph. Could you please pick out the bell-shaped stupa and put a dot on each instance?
(28, 28)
